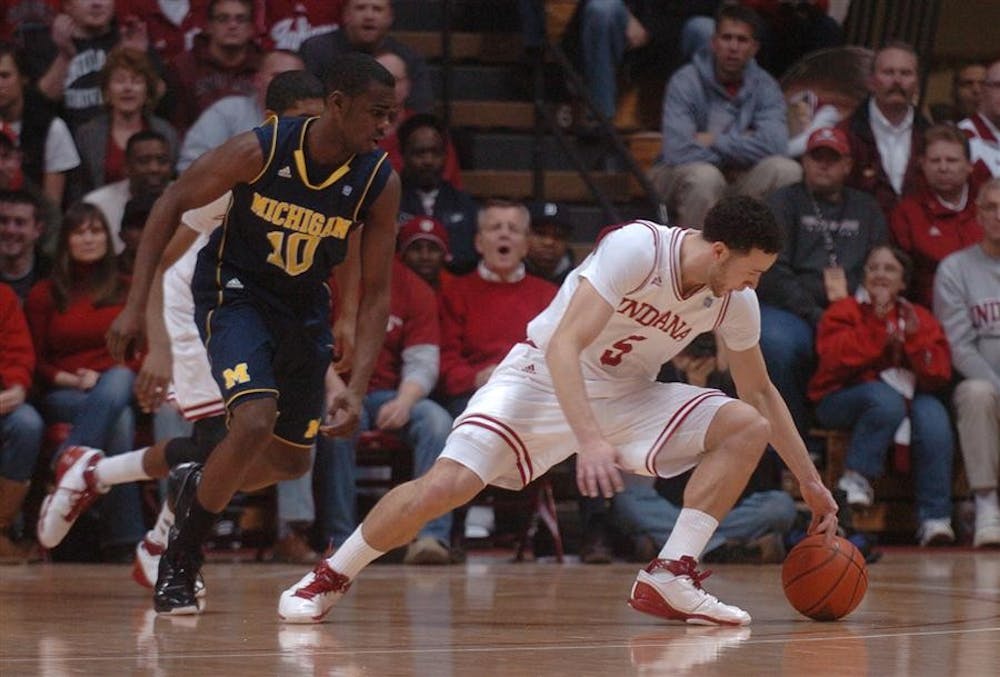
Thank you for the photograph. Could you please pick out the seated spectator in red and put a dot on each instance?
(170, 24)
(423, 246)
(487, 311)
(940, 218)
(46, 144)
(128, 87)
(65, 64)
(222, 62)
(422, 139)
(880, 360)
(147, 172)
(549, 256)
(393, 63)
(69, 314)
(21, 427)
(289, 23)
(364, 27)
(22, 262)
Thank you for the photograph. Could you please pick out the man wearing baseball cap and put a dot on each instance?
(830, 229)
(423, 246)
(549, 255)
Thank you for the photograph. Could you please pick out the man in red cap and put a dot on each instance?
(423, 247)
(830, 229)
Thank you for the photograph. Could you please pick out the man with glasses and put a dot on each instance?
(222, 62)
(983, 128)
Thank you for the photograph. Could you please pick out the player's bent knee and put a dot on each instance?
(738, 424)
(447, 485)
(253, 421)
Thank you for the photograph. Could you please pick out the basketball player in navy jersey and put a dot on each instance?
(300, 187)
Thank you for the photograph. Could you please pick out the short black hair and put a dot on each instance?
(20, 196)
(288, 88)
(741, 14)
(419, 121)
(144, 135)
(352, 73)
(743, 223)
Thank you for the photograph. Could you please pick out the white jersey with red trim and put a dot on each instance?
(194, 389)
(636, 269)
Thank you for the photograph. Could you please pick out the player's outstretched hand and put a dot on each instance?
(343, 414)
(597, 471)
(823, 508)
(124, 334)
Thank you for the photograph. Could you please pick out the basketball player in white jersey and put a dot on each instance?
(584, 383)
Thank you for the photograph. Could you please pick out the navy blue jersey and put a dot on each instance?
(286, 229)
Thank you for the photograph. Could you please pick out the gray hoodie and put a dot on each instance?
(967, 302)
(748, 127)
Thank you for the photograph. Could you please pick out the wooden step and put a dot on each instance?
(557, 16)
(484, 47)
(514, 115)
(559, 186)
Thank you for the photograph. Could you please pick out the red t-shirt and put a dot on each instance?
(413, 321)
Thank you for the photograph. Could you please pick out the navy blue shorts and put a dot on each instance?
(259, 349)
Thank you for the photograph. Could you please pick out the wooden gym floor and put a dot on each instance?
(926, 613)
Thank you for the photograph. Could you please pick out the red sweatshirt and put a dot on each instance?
(71, 340)
(17, 355)
(413, 321)
(928, 231)
(854, 346)
(482, 321)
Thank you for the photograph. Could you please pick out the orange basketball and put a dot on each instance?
(824, 582)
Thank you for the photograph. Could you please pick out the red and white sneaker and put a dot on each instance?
(76, 490)
(681, 597)
(311, 599)
(146, 566)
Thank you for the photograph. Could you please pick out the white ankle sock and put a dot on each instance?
(353, 556)
(690, 535)
(161, 530)
(122, 468)
(986, 501)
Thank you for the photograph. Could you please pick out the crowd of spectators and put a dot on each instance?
(887, 214)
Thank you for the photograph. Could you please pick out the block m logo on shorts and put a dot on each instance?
(238, 374)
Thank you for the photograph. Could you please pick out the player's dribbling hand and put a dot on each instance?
(822, 506)
(597, 471)
(124, 334)
(343, 414)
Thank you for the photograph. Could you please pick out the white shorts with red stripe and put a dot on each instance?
(513, 430)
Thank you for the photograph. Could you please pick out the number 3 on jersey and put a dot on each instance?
(292, 252)
(613, 358)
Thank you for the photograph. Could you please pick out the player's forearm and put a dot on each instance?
(784, 437)
(372, 321)
(156, 326)
(564, 366)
